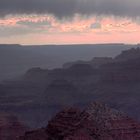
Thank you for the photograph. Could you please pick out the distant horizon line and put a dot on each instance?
(74, 44)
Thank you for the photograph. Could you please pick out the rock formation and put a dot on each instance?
(122, 72)
(36, 74)
(10, 127)
(39, 134)
(114, 81)
(94, 63)
(97, 122)
(101, 113)
(129, 54)
(114, 123)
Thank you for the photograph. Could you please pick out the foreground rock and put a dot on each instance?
(39, 134)
(113, 123)
(10, 127)
(97, 122)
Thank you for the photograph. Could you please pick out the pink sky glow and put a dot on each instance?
(46, 29)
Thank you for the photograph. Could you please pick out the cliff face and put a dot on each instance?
(10, 127)
(35, 74)
(124, 68)
(132, 53)
(125, 71)
(113, 81)
(95, 62)
(39, 134)
(97, 122)
(113, 123)
(66, 123)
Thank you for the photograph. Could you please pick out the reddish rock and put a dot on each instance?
(75, 125)
(97, 122)
(39, 134)
(124, 129)
(81, 134)
(10, 127)
(66, 122)
(113, 123)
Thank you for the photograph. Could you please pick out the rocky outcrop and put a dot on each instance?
(118, 72)
(82, 70)
(66, 123)
(114, 123)
(39, 134)
(71, 123)
(94, 63)
(97, 122)
(76, 70)
(130, 54)
(35, 74)
(125, 67)
(10, 127)
(116, 83)
(101, 114)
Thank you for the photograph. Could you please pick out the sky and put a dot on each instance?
(69, 21)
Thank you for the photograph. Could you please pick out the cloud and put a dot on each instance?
(68, 8)
(14, 31)
(96, 25)
(58, 8)
(34, 24)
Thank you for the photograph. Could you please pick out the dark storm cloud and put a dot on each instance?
(57, 7)
(67, 8)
